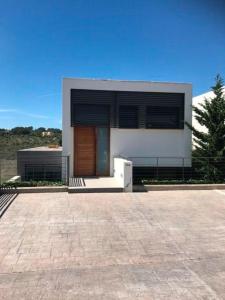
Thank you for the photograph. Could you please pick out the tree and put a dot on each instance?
(40, 130)
(22, 130)
(210, 145)
(55, 130)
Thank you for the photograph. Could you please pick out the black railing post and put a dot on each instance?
(157, 168)
(183, 168)
(208, 169)
(67, 169)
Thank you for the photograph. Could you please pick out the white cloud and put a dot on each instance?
(6, 110)
(48, 95)
(23, 113)
(36, 116)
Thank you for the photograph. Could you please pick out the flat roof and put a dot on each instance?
(43, 148)
(122, 80)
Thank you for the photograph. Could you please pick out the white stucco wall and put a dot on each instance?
(144, 146)
(197, 101)
(67, 130)
(133, 142)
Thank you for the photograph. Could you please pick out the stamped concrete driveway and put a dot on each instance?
(156, 245)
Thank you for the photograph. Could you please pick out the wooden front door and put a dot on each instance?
(84, 151)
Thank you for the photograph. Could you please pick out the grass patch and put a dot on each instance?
(12, 142)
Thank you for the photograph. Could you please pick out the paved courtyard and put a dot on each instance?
(156, 245)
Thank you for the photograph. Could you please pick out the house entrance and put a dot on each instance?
(91, 151)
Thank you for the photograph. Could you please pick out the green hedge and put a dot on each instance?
(32, 183)
(190, 181)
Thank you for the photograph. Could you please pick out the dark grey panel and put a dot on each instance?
(48, 160)
(128, 116)
(163, 117)
(95, 98)
(117, 98)
(91, 114)
(144, 99)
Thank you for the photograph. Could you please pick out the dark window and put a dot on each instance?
(125, 109)
(128, 116)
(163, 117)
(90, 114)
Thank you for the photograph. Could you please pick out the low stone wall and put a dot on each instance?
(8, 169)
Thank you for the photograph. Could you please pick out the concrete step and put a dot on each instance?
(94, 185)
(95, 189)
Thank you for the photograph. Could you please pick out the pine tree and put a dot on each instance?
(210, 145)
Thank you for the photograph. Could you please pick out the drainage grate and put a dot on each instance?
(76, 182)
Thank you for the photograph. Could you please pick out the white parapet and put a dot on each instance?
(123, 173)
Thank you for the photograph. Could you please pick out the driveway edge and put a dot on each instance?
(177, 187)
(42, 189)
(136, 188)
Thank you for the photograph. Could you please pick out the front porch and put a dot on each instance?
(121, 181)
(94, 185)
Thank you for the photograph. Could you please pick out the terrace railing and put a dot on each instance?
(7, 195)
(211, 169)
(35, 168)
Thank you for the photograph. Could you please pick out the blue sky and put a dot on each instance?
(43, 41)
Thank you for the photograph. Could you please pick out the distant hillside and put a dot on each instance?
(26, 137)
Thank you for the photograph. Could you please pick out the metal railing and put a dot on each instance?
(35, 167)
(205, 169)
(7, 195)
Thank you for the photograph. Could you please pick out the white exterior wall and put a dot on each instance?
(197, 101)
(67, 130)
(133, 142)
(138, 143)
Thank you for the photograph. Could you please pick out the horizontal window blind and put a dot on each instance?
(90, 114)
(150, 109)
(128, 116)
(162, 117)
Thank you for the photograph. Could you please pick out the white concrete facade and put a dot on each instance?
(134, 142)
(197, 101)
(144, 146)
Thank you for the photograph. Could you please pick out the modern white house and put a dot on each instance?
(141, 121)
